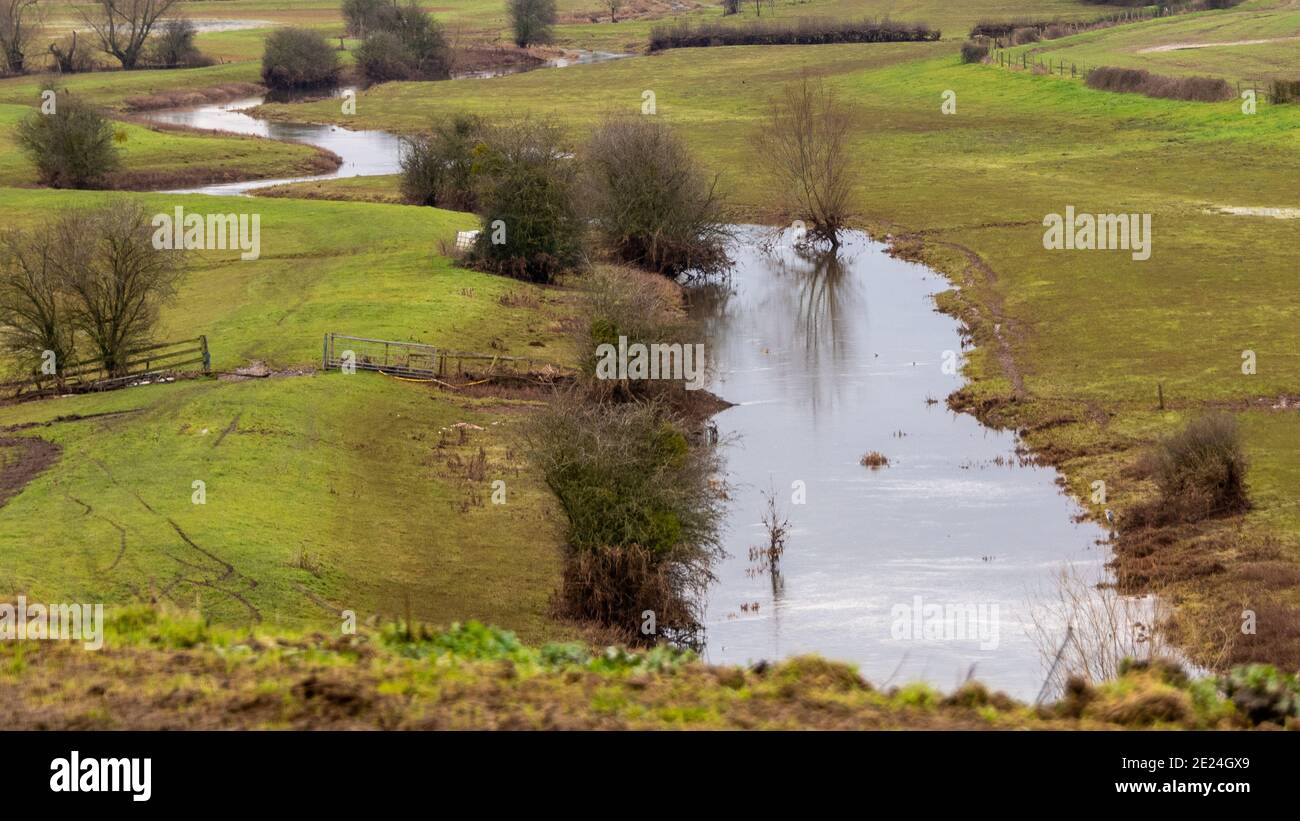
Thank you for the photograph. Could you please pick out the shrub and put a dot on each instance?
(730, 7)
(1286, 91)
(1140, 81)
(525, 182)
(642, 308)
(531, 21)
(974, 52)
(437, 168)
(643, 517)
(361, 17)
(1027, 34)
(650, 201)
(408, 44)
(805, 31)
(1201, 470)
(299, 58)
(72, 147)
(173, 45)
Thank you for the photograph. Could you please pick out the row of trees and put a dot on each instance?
(136, 33)
(88, 281)
(634, 184)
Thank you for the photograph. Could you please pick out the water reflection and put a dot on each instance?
(828, 357)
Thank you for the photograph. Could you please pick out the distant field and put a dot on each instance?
(1240, 44)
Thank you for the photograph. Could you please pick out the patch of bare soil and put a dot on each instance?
(22, 459)
(1183, 46)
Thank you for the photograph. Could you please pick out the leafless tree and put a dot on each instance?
(613, 6)
(32, 319)
(804, 142)
(123, 26)
(20, 22)
(114, 278)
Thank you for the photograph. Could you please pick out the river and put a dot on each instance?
(825, 361)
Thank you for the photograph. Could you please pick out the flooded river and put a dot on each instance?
(927, 569)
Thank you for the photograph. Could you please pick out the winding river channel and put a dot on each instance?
(926, 569)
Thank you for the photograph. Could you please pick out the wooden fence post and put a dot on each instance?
(207, 357)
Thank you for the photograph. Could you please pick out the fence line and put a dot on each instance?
(91, 375)
(419, 361)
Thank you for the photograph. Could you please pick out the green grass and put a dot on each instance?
(169, 157)
(343, 467)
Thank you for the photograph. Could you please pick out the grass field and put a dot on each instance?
(1071, 346)
(345, 468)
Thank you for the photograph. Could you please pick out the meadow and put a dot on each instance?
(1072, 349)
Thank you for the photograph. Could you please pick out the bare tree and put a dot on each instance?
(804, 142)
(20, 22)
(114, 278)
(33, 327)
(613, 6)
(123, 26)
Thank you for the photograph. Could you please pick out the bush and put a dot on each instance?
(437, 168)
(643, 516)
(408, 44)
(806, 31)
(650, 201)
(730, 7)
(525, 182)
(72, 147)
(531, 21)
(299, 58)
(1201, 470)
(362, 17)
(1286, 91)
(642, 308)
(1140, 81)
(1027, 34)
(172, 46)
(973, 52)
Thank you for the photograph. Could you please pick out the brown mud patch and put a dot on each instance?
(22, 459)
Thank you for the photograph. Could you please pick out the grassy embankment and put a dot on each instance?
(1072, 345)
(477, 678)
(323, 492)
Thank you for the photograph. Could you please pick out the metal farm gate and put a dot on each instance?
(417, 361)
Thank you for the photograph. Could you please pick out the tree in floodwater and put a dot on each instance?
(804, 145)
